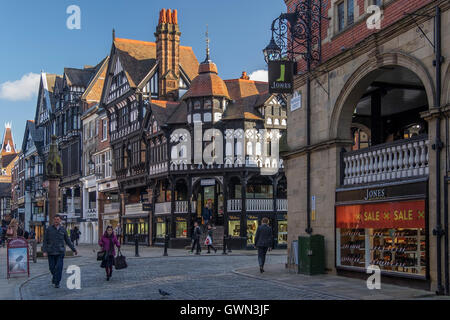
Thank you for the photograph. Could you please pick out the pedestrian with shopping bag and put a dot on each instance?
(108, 242)
(209, 239)
(54, 247)
(263, 241)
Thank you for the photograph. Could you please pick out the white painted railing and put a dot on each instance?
(398, 160)
(162, 208)
(134, 208)
(262, 205)
(234, 205)
(112, 207)
(282, 205)
(182, 206)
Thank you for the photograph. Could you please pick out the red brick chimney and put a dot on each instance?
(168, 54)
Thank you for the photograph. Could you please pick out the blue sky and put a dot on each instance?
(35, 37)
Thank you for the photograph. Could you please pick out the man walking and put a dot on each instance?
(207, 213)
(196, 237)
(263, 241)
(54, 248)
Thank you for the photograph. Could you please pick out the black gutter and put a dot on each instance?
(438, 232)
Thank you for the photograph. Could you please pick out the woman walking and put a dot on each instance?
(107, 242)
(209, 239)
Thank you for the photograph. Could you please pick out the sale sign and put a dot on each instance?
(401, 214)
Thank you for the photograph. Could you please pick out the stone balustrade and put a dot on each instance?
(386, 162)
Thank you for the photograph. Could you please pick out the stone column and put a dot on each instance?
(72, 206)
(122, 213)
(53, 188)
(100, 211)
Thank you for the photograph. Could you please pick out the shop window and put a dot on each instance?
(361, 139)
(181, 229)
(252, 226)
(160, 230)
(282, 232)
(389, 235)
(234, 227)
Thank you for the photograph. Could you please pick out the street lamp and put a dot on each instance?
(272, 52)
(298, 33)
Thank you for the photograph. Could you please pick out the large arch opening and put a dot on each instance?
(381, 115)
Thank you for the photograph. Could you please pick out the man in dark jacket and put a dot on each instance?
(55, 239)
(207, 213)
(196, 237)
(263, 241)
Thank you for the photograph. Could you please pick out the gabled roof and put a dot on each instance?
(139, 57)
(93, 92)
(79, 77)
(6, 160)
(241, 88)
(36, 135)
(7, 140)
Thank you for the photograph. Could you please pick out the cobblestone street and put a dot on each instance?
(202, 278)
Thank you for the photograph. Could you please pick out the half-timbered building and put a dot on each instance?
(156, 96)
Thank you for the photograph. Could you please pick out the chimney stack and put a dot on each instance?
(168, 54)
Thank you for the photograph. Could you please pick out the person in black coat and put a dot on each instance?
(263, 241)
(196, 238)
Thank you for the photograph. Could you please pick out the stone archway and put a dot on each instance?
(359, 81)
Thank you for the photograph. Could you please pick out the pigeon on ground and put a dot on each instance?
(163, 293)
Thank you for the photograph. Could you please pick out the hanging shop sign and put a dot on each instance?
(281, 76)
(18, 257)
(401, 214)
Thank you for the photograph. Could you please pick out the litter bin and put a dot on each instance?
(311, 254)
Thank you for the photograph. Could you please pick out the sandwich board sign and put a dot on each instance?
(17, 258)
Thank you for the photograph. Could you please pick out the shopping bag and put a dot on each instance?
(120, 262)
(208, 241)
(101, 255)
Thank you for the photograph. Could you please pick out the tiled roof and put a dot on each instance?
(245, 108)
(7, 139)
(207, 83)
(162, 110)
(6, 160)
(241, 88)
(79, 77)
(139, 57)
(179, 116)
(93, 93)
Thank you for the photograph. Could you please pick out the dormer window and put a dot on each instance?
(197, 105)
(208, 104)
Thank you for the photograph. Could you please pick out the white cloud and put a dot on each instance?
(260, 75)
(24, 89)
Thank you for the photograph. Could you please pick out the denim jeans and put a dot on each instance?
(56, 263)
(262, 255)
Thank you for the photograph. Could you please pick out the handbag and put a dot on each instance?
(101, 255)
(120, 261)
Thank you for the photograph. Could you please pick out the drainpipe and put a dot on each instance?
(438, 232)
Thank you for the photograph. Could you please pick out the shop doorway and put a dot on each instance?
(213, 194)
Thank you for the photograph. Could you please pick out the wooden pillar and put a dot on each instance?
(244, 206)
(172, 207)
(190, 218)
(150, 216)
(121, 214)
(225, 205)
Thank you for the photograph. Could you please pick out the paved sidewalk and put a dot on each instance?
(87, 254)
(337, 285)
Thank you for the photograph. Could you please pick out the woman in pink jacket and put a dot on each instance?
(107, 242)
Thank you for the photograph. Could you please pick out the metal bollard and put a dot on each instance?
(228, 244)
(136, 246)
(34, 246)
(224, 244)
(166, 244)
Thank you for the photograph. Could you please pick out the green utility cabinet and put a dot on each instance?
(311, 254)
